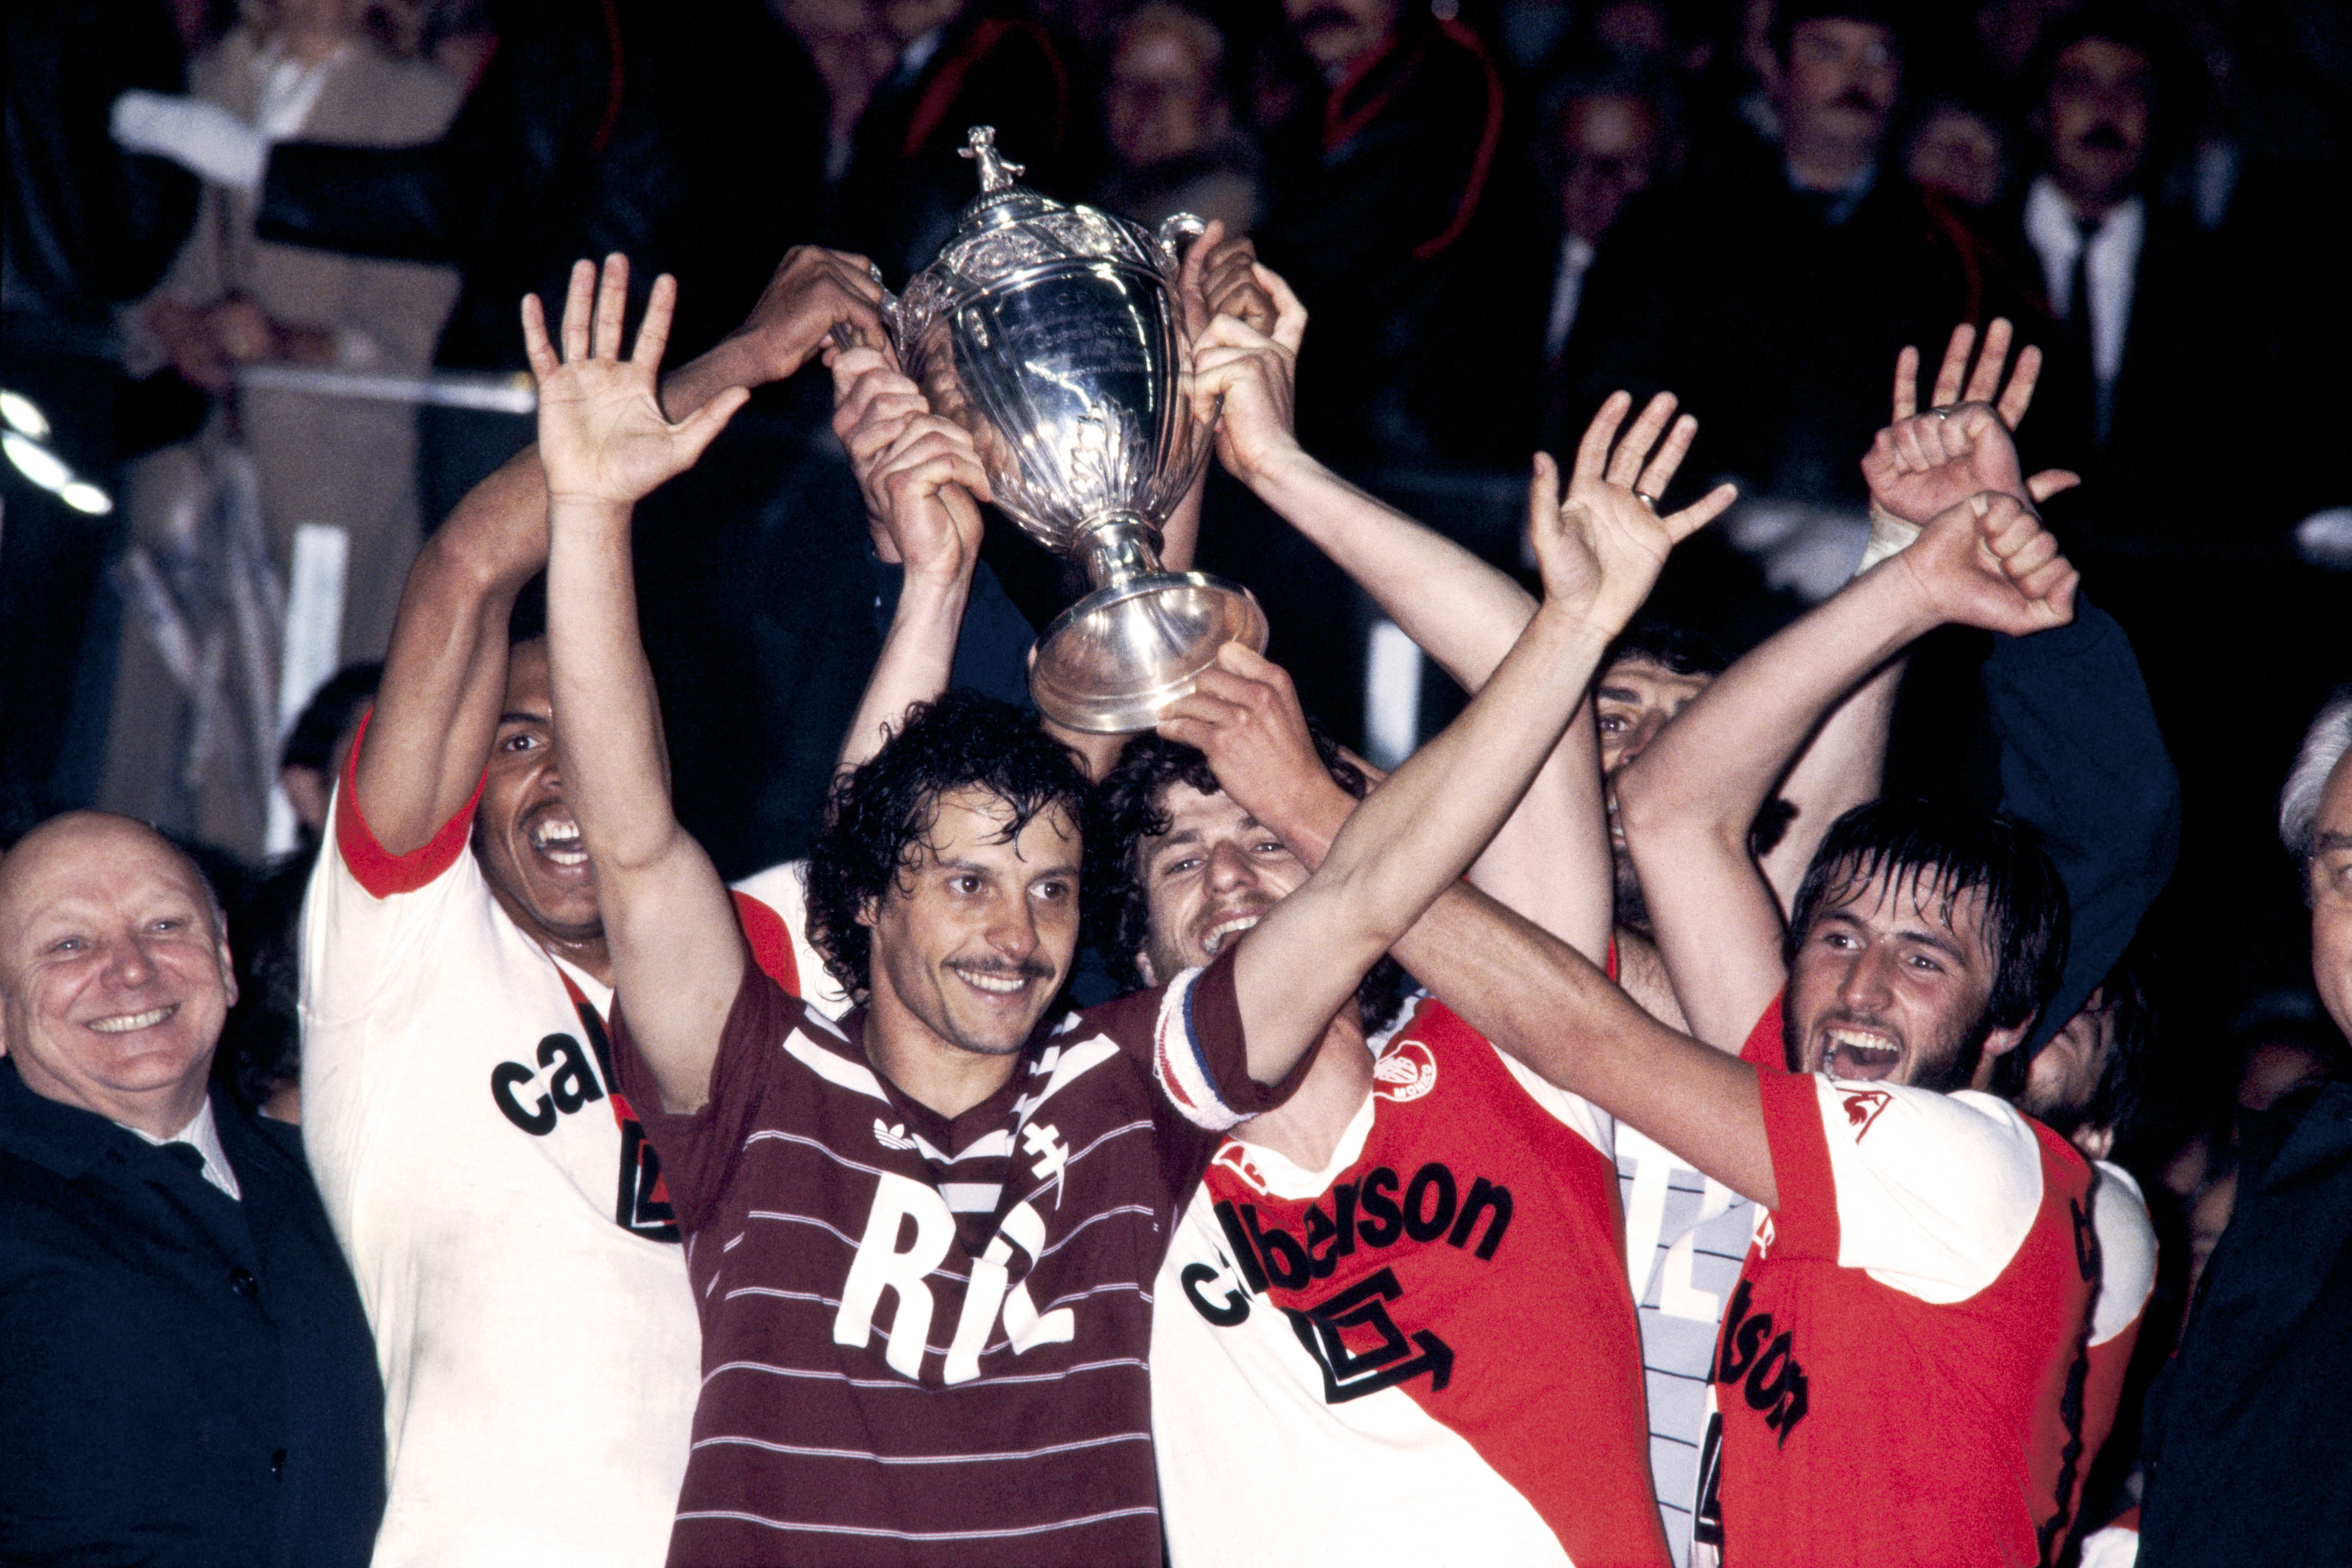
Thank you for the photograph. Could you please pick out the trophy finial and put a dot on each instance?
(996, 174)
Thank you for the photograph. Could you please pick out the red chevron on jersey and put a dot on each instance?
(1467, 1256)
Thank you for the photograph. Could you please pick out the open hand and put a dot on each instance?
(1243, 713)
(1601, 547)
(1254, 376)
(602, 436)
(1924, 463)
(1988, 562)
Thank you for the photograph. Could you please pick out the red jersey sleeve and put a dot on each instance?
(377, 869)
(1805, 1223)
(771, 943)
(1764, 1049)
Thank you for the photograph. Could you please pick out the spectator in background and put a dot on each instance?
(1771, 285)
(260, 1061)
(1602, 143)
(1958, 150)
(1168, 118)
(853, 53)
(592, 128)
(189, 1380)
(85, 230)
(320, 740)
(337, 465)
(1396, 210)
(2146, 308)
(961, 63)
(2103, 245)
(2247, 1430)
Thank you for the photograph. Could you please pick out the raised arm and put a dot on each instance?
(1599, 552)
(920, 476)
(1685, 803)
(1913, 474)
(445, 673)
(1550, 861)
(677, 956)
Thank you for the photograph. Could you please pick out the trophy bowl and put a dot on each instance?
(1050, 333)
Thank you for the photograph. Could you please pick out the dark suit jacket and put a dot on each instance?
(2247, 1430)
(1777, 328)
(185, 1379)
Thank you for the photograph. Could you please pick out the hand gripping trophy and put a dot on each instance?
(1050, 333)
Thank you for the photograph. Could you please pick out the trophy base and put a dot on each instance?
(1112, 660)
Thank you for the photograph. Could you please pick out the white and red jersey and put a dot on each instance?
(503, 1213)
(1423, 1353)
(1901, 1376)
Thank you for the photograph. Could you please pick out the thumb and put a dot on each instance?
(701, 427)
(1543, 495)
(2051, 482)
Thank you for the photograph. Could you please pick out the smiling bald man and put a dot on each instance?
(188, 1377)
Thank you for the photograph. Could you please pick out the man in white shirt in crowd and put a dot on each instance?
(2087, 214)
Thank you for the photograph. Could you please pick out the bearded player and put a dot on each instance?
(827, 1250)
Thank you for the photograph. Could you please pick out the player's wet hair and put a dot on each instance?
(1131, 809)
(1939, 852)
(879, 817)
(1675, 645)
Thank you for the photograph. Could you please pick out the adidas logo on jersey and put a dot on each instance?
(892, 1137)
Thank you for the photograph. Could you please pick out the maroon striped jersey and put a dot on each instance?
(924, 1338)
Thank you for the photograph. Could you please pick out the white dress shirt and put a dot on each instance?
(1568, 287)
(204, 1137)
(2050, 225)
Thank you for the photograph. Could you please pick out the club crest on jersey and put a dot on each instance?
(1406, 1071)
(1861, 1109)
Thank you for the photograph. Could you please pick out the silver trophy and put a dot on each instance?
(1052, 333)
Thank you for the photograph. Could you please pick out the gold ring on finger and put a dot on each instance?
(1647, 500)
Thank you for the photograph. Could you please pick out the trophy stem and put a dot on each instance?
(1118, 550)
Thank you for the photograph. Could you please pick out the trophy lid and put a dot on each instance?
(1010, 228)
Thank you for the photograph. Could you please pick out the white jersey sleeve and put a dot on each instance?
(784, 888)
(1934, 1193)
(1580, 1115)
(2127, 1253)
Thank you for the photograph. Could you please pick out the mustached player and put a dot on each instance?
(963, 1370)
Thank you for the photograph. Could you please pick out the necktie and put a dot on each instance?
(2080, 330)
(188, 1154)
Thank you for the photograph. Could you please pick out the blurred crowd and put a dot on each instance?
(263, 259)
(1495, 215)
